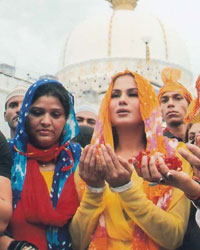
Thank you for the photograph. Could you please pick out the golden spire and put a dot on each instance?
(123, 4)
(147, 52)
(147, 40)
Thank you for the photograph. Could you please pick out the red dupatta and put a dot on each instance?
(35, 210)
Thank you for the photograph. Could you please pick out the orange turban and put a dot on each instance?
(193, 112)
(170, 78)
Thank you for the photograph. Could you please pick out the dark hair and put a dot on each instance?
(84, 137)
(56, 90)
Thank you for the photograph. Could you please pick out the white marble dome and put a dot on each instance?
(125, 38)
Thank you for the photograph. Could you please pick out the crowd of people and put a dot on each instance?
(116, 180)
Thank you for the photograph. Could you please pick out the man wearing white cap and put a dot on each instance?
(13, 104)
(86, 115)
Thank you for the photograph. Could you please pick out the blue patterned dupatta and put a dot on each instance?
(57, 237)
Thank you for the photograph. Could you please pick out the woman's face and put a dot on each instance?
(45, 121)
(124, 105)
(194, 134)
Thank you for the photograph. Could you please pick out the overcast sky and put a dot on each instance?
(33, 32)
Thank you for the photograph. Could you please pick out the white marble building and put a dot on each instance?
(126, 38)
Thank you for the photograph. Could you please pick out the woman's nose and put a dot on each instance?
(46, 120)
(123, 100)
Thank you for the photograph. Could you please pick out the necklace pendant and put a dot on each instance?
(42, 164)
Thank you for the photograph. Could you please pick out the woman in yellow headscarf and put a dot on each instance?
(118, 209)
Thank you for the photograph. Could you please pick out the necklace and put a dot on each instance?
(45, 164)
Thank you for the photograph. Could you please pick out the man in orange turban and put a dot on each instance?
(174, 99)
(191, 238)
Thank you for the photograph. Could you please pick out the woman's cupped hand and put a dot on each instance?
(90, 169)
(100, 164)
(155, 170)
(117, 170)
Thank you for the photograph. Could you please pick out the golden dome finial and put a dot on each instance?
(123, 4)
(147, 52)
(147, 40)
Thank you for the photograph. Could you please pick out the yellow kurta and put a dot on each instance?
(122, 210)
(48, 177)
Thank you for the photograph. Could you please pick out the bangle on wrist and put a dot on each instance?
(96, 190)
(194, 199)
(20, 245)
(122, 188)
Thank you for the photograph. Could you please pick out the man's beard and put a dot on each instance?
(12, 126)
(175, 123)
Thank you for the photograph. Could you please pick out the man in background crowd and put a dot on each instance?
(13, 104)
(174, 100)
(86, 116)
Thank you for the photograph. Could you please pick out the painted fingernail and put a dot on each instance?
(130, 161)
(169, 176)
(161, 181)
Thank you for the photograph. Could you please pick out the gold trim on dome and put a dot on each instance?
(64, 62)
(165, 38)
(82, 71)
(110, 34)
(94, 67)
(123, 4)
(109, 66)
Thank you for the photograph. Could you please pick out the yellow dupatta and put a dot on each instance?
(193, 114)
(151, 115)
